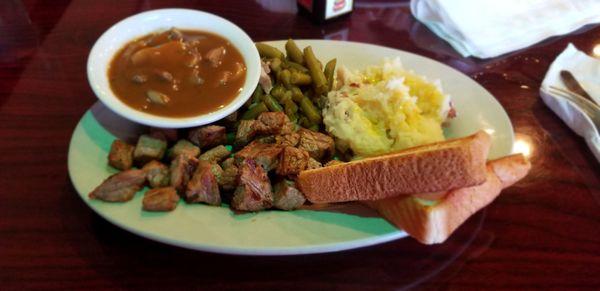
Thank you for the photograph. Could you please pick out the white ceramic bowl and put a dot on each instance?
(151, 21)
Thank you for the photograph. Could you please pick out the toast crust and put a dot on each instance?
(434, 167)
(434, 223)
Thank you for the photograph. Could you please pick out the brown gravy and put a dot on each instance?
(177, 73)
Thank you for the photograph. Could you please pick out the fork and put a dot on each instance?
(589, 108)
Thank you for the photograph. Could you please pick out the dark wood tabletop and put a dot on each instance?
(544, 232)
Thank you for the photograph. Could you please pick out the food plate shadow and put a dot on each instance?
(114, 124)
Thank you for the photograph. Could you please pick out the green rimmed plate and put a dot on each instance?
(218, 229)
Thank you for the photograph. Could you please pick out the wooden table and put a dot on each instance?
(542, 233)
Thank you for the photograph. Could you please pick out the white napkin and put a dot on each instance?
(489, 28)
(585, 69)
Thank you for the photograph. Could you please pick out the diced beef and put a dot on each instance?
(272, 123)
(265, 139)
(267, 123)
(254, 189)
(229, 162)
(291, 161)
(149, 148)
(245, 132)
(228, 179)
(182, 168)
(318, 145)
(203, 186)
(217, 171)
(208, 136)
(215, 154)
(229, 175)
(286, 196)
(313, 164)
(160, 199)
(120, 187)
(290, 139)
(266, 155)
(168, 134)
(184, 147)
(333, 163)
(215, 56)
(121, 155)
(157, 174)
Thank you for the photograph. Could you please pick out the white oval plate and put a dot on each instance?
(218, 229)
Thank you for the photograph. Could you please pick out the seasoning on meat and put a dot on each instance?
(208, 136)
(149, 148)
(217, 171)
(266, 139)
(266, 155)
(182, 168)
(291, 161)
(273, 123)
(286, 196)
(157, 174)
(228, 179)
(215, 154)
(160, 199)
(229, 162)
(253, 192)
(121, 155)
(120, 187)
(318, 145)
(203, 186)
(290, 139)
(245, 132)
(184, 147)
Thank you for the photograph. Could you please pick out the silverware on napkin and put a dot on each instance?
(572, 84)
(590, 108)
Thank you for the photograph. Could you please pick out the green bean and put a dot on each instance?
(272, 104)
(296, 94)
(275, 65)
(309, 109)
(277, 91)
(267, 51)
(304, 122)
(296, 66)
(257, 95)
(300, 79)
(254, 111)
(318, 78)
(329, 72)
(293, 52)
(286, 96)
(285, 77)
(290, 106)
(293, 117)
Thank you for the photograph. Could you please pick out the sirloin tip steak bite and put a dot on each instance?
(120, 187)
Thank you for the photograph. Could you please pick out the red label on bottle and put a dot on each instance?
(308, 4)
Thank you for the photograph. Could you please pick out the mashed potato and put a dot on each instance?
(385, 108)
